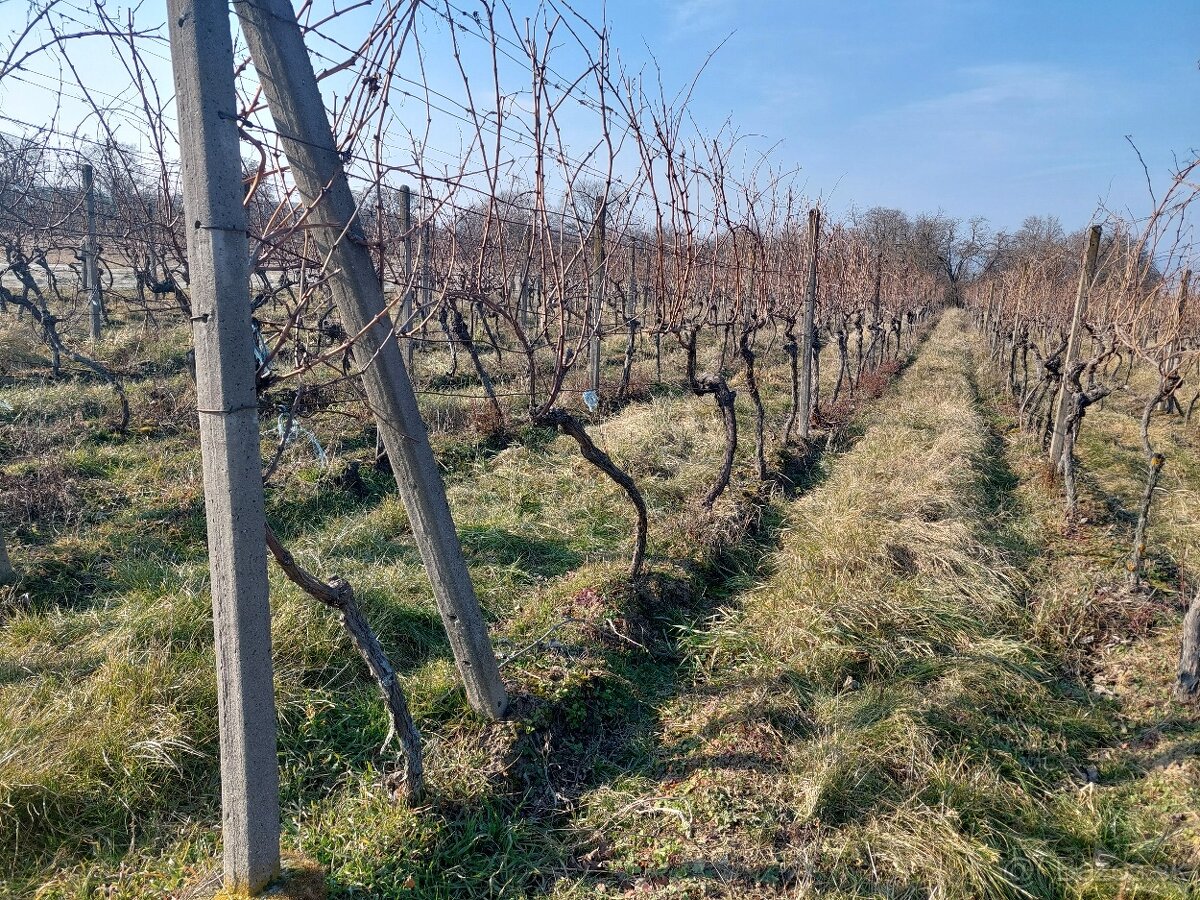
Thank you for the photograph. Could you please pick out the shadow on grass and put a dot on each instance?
(545, 557)
(592, 712)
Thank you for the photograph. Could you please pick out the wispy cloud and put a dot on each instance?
(1002, 90)
(690, 16)
(1014, 110)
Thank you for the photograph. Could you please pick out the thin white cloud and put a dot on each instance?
(689, 16)
(1002, 89)
(1010, 113)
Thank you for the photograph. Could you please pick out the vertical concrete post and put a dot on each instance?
(91, 251)
(406, 305)
(596, 296)
(810, 311)
(1086, 273)
(202, 59)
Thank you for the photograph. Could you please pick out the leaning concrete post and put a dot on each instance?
(286, 74)
(1086, 274)
(202, 58)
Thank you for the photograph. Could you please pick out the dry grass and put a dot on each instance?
(867, 684)
(107, 732)
(875, 718)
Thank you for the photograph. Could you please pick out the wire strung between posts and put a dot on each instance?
(228, 412)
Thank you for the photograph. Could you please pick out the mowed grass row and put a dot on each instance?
(107, 697)
(884, 714)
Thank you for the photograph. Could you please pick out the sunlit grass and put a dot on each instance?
(864, 683)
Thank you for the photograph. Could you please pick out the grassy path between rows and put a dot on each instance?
(889, 710)
(895, 676)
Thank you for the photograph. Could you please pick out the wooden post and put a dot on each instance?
(202, 59)
(597, 296)
(91, 275)
(1086, 274)
(810, 311)
(406, 305)
(290, 86)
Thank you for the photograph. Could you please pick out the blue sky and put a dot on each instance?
(973, 107)
(1001, 109)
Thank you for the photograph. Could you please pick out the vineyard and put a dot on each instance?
(590, 509)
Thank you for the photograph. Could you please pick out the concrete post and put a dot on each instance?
(810, 311)
(406, 305)
(91, 273)
(202, 59)
(596, 296)
(290, 86)
(1086, 274)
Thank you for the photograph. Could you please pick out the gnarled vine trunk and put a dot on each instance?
(718, 387)
(760, 414)
(563, 421)
(1167, 386)
(339, 595)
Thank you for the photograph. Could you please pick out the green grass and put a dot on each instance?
(869, 681)
(107, 771)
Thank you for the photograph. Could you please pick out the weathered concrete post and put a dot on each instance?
(406, 305)
(91, 250)
(596, 296)
(1086, 274)
(202, 58)
(289, 84)
(810, 312)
